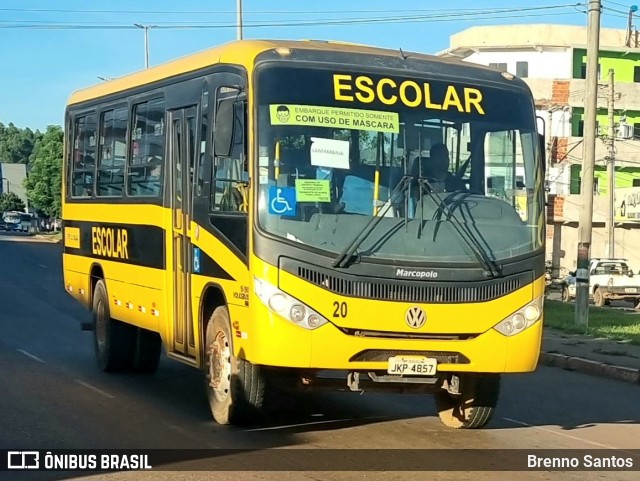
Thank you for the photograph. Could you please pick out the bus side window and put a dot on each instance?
(112, 152)
(229, 192)
(147, 149)
(229, 198)
(84, 156)
(204, 135)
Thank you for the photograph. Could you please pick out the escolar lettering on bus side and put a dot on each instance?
(110, 242)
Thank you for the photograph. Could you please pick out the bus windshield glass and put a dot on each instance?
(11, 217)
(334, 146)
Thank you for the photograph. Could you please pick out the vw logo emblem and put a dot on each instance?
(415, 317)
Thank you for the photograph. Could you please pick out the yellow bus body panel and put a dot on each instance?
(137, 295)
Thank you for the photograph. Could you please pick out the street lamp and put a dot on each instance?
(146, 41)
(632, 9)
(239, 20)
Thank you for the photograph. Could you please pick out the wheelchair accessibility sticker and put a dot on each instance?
(196, 260)
(282, 201)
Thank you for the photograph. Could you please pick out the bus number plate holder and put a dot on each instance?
(412, 366)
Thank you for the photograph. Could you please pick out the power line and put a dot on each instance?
(442, 15)
(263, 12)
(618, 4)
(385, 18)
(617, 11)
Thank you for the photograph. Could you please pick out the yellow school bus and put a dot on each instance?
(311, 214)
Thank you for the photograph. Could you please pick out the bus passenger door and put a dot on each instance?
(182, 135)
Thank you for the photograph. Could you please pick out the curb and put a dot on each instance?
(587, 366)
(48, 239)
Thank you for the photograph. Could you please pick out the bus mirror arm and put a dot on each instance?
(543, 152)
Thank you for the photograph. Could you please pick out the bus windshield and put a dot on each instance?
(334, 147)
(11, 217)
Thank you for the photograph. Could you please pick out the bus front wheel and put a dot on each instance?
(473, 407)
(114, 340)
(235, 387)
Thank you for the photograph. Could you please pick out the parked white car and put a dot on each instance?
(609, 279)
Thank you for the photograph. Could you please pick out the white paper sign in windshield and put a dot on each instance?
(330, 153)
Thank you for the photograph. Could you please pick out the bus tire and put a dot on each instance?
(474, 407)
(113, 340)
(146, 355)
(235, 387)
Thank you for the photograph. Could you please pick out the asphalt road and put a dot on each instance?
(52, 396)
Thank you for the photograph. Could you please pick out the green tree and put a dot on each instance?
(16, 145)
(10, 201)
(44, 189)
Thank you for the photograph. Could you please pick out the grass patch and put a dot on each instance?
(603, 321)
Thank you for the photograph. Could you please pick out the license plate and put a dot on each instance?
(630, 289)
(412, 366)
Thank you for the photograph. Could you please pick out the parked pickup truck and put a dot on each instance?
(609, 279)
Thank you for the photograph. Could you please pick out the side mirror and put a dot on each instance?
(630, 273)
(224, 128)
(572, 273)
(543, 151)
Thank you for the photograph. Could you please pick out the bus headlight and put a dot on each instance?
(297, 313)
(278, 302)
(286, 306)
(522, 319)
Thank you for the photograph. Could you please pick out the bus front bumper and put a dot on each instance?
(328, 347)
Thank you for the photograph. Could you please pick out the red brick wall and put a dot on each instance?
(560, 92)
(559, 149)
(555, 208)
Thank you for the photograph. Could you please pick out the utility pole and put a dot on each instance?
(588, 162)
(611, 169)
(239, 22)
(146, 42)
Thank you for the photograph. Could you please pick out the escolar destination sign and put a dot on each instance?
(318, 116)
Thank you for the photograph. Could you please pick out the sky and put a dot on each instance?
(49, 48)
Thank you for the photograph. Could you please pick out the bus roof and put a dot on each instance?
(242, 52)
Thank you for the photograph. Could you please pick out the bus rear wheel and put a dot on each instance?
(114, 341)
(474, 406)
(235, 387)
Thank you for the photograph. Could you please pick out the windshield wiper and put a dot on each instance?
(345, 255)
(491, 268)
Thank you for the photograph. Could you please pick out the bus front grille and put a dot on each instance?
(406, 291)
